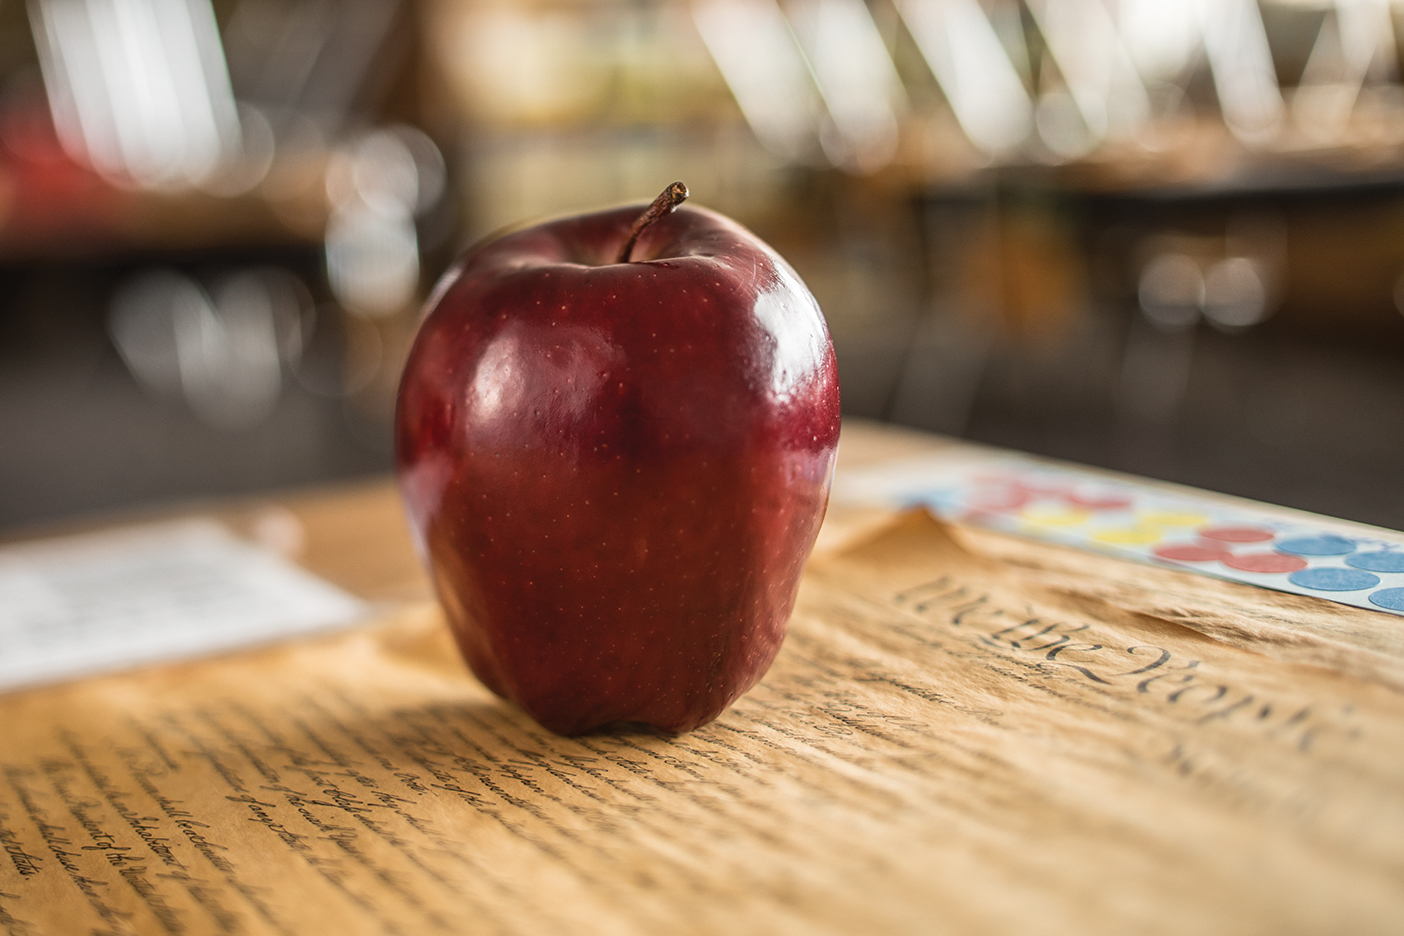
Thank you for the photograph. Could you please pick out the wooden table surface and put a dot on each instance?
(964, 733)
(355, 534)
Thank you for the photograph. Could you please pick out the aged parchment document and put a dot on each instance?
(947, 744)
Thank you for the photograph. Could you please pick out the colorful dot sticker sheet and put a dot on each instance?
(1141, 522)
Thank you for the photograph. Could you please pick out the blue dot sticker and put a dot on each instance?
(1333, 579)
(1391, 598)
(1378, 561)
(1324, 545)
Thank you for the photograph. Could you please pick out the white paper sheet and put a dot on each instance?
(85, 604)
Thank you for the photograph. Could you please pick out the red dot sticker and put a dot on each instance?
(1042, 488)
(1100, 501)
(1237, 534)
(1008, 499)
(1266, 562)
(1192, 553)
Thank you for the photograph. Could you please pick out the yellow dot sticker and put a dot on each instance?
(1128, 535)
(1055, 516)
(1173, 518)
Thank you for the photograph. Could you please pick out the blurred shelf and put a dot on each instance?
(69, 213)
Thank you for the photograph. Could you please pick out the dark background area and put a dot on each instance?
(1008, 298)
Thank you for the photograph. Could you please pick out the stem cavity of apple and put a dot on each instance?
(670, 198)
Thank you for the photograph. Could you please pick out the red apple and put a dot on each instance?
(615, 436)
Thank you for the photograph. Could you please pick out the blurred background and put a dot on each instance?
(1161, 237)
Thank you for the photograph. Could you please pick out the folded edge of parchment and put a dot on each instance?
(1292, 628)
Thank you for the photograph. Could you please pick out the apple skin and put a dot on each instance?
(616, 471)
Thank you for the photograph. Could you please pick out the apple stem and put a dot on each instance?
(671, 197)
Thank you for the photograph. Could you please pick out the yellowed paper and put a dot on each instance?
(940, 748)
(1365, 644)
